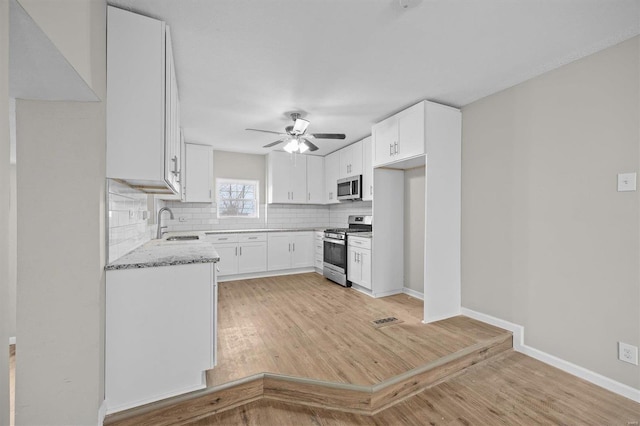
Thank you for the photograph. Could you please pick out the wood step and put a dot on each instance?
(366, 400)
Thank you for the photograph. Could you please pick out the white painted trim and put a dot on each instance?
(155, 398)
(566, 366)
(413, 293)
(439, 318)
(387, 293)
(102, 412)
(517, 330)
(12, 340)
(265, 274)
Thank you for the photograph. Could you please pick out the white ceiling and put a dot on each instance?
(351, 63)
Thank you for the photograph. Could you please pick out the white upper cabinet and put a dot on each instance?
(401, 136)
(315, 179)
(286, 178)
(367, 169)
(143, 126)
(198, 179)
(331, 176)
(351, 160)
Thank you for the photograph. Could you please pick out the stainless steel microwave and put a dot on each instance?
(350, 188)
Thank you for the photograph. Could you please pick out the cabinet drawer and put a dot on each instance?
(222, 238)
(364, 243)
(252, 237)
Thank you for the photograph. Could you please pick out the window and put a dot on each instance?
(237, 198)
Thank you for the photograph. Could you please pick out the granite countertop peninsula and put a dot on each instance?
(167, 253)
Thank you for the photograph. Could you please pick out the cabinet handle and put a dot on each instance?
(240, 250)
(294, 246)
(396, 148)
(223, 239)
(390, 149)
(253, 238)
(289, 246)
(370, 189)
(309, 199)
(236, 251)
(209, 194)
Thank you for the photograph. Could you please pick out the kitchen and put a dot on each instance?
(386, 184)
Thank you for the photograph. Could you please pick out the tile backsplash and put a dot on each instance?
(203, 216)
(128, 226)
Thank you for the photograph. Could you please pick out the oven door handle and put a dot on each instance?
(331, 240)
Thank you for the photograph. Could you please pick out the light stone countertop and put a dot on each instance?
(167, 253)
(253, 230)
(360, 234)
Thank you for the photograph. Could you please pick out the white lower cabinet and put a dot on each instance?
(240, 253)
(160, 332)
(319, 250)
(288, 250)
(359, 261)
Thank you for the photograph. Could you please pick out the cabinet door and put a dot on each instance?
(315, 179)
(135, 96)
(411, 140)
(279, 172)
(331, 173)
(303, 249)
(367, 169)
(252, 257)
(172, 131)
(353, 267)
(228, 264)
(356, 159)
(346, 158)
(298, 179)
(279, 251)
(199, 173)
(385, 136)
(364, 261)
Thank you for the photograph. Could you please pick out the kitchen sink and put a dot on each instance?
(183, 238)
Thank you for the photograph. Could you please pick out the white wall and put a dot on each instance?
(547, 241)
(61, 244)
(414, 222)
(13, 245)
(4, 211)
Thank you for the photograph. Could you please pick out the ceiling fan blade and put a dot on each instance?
(273, 143)
(328, 135)
(265, 131)
(311, 146)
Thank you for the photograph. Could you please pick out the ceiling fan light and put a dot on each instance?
(302, 147)
(300, 126)
(292, 146)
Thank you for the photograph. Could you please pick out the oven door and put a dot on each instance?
(335, 254)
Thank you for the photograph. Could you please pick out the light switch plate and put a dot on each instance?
(626, 182)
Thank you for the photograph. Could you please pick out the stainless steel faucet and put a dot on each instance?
(160, 228)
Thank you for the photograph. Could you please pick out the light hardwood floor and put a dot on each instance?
(306, 326)
(511, 389)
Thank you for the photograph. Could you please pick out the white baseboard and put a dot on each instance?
(12, 340)
(566, 366)
(439, 318)
(413, 293)
(102, 412)
(111, 409)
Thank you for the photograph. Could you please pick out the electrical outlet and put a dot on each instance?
(626, 182)
(182, 219)
(628, 353)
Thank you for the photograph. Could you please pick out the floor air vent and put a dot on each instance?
(382, 322)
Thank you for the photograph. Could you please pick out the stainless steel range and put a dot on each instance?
(335, 248)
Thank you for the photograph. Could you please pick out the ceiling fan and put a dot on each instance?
(296, 136)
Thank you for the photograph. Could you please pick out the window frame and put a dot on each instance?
(256, 198)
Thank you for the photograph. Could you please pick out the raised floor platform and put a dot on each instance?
(303, 340)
